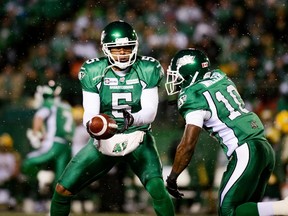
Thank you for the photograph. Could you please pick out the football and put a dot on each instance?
(102, 126)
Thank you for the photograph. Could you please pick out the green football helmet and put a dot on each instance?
(47, 92)
(51, 90)
(187, 67)
(119, 34)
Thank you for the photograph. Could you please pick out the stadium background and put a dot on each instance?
(47, 39)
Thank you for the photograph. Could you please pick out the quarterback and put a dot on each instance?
(124, 86)
(208, 99)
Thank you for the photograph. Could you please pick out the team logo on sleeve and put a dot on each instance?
(182, 100)
(81, 75)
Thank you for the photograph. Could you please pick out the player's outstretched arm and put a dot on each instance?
(184, 153)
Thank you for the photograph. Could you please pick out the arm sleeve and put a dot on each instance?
(197, 117)
(91, 105)
(149, 104)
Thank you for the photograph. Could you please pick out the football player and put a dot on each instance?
(208, 99)
(51, 134)
(124, 86)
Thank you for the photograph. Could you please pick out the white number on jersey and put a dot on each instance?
(116, 97)
(233, 93)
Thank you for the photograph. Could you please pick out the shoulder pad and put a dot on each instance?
(149, 70)
(91, 73)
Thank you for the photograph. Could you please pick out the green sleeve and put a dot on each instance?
(91, 73)
(150, 71)
(190, 100)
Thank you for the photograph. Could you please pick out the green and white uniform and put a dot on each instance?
(120, 92)
(55, 149)
(112, 93)
(214, 104)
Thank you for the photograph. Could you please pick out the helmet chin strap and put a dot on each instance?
(106, 69)
(120, 72)
(206, 75)
(194, 77)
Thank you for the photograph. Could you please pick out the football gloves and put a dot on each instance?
(128, 120)
(172, 188)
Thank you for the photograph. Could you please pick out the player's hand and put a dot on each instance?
(128, 120)
(173, 188)
(35, 138)
(88, 130)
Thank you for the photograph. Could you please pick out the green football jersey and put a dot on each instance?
(60, 123)
(120, 92)
(230, 122)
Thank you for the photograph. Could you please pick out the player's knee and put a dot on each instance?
(63, 191)
(156, 188)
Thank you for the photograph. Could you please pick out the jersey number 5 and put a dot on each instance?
(116, 99)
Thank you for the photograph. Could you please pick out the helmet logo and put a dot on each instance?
(187, 59)
(122, 40)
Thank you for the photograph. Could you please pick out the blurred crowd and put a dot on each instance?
(247, 39)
